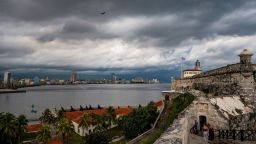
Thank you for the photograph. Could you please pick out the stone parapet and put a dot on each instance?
(235, 79)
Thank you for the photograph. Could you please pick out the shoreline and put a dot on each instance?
(4, 91)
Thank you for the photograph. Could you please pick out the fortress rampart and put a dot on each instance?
(234, 79)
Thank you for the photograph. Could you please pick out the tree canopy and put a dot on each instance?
(138, 121)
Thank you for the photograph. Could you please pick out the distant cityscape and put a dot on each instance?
(10, 82)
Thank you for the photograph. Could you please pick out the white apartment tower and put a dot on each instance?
(7, 78)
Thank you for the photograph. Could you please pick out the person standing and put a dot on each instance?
(211, 134)
(205, 132)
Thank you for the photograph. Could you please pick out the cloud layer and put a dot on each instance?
(132, 35)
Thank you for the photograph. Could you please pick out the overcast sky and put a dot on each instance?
(132, 36)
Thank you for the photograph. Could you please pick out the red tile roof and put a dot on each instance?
(33, 128)
(75, 115)
(159, 103)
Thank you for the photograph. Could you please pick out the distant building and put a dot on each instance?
(7, 78)
(28, 82)
(113, 78)
(42, 82)
(154, 81)
(36, 81)
(22, 82)
(138, 80)
(192, 72)
(73, 77)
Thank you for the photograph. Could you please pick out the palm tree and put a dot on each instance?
(100, 121)
(111, 115)
(47, 117)
(59, 117)
(44, 135)
(8, 127)
(84, 122)
(21, 122)
(65, 128)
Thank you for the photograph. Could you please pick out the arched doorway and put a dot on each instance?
(202, 121)
(167, 97)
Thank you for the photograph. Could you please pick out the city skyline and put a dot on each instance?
(131, 38)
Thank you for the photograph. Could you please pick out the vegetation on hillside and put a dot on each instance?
(139, 121)
(170, 113)
(179, 104)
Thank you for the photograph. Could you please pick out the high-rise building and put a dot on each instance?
(36, 81)
(7, 78)
(113, 78)
(73, 77)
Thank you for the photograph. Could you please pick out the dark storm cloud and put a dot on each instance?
(73, 35)
(78, 27)
(73, 28)
(200, 11)
(7, 51)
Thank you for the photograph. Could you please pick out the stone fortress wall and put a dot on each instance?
(243, 122)
(234, 79)
(234, 83)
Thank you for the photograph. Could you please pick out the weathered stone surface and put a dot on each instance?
(228, 81)
(230, 105)
(243, 122)
(178, 132)
(234, 79)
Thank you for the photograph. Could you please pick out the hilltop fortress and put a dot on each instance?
(224, 98)
(233, 79)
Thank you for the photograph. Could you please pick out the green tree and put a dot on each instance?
(138, 121)
(98, 136)
(44, 135)
(21, 122)
(111, 115)
(84, 122)
(1, 118)
(47, 117)
(8, 126)
(59, 117)
(99, 121)
(65, 128)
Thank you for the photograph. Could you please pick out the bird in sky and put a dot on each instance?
(103, 13)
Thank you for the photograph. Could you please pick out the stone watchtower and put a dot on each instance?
(245, 57)
(197, 65)
(246, 80)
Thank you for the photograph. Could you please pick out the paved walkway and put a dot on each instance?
(194, 139)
